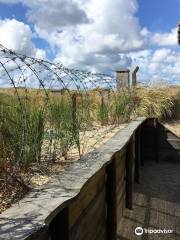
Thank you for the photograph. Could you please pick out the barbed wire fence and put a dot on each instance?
(52, 114)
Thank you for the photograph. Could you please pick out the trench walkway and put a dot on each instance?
(156, 203)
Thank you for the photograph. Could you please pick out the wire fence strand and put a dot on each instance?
(49, 112)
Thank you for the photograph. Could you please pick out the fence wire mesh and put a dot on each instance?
(50, 113)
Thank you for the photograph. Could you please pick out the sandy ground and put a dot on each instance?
(90, 140)
(174, 127)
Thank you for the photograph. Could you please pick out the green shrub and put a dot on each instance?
(103, 110)
(122, 106)
(61, 124)
(21, 134)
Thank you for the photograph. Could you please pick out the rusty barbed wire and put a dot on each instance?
(51, 113)
(66, 77)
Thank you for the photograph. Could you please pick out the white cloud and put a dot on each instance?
(95, 35)
(161, 54)
(17, 36)
(53, 14)
(113, 29)
(165, 39)
(166, 55)
(40, 54)
(159, 65)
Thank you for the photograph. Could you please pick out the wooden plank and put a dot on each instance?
(142, 147)
(129, 174)
(111, 201)
(122, 191)
(86, 226)
(156, 142)
(133, 157)
(42, 234)
(87, 195)
(119, 155)
(58, 228)
(121, 173)
(120, 165)
(137, 154)
(120, 208)
(101, 235)
(121, 183)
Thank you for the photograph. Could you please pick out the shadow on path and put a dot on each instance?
(156, 203)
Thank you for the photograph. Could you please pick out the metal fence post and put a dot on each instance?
(75, 122)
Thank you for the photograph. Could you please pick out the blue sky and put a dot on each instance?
(160, 15)
(97, 36)
(156, 15)
(17, 11)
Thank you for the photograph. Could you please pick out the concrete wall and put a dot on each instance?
(123, 79)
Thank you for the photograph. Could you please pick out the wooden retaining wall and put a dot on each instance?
(96, 211)
(87, 200)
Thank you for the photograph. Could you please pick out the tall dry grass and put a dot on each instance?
(154, 102)
(32, 127)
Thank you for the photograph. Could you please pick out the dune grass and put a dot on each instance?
(34, 130)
